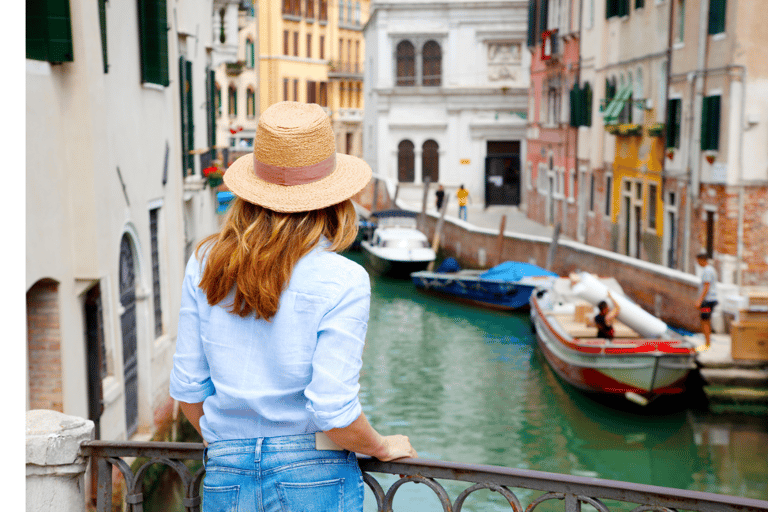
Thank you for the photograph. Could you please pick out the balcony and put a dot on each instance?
(548, 487)
(349, 115)
(345, 70)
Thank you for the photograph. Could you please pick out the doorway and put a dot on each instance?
(502, 173)
(129, 334)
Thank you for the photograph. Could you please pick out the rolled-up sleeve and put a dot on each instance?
(190, 375)
(333, 390)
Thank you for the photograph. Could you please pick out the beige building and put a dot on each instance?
(313, 52)
(114, 200)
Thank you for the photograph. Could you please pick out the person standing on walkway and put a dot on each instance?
(272, 326)
(463, 195)
(440, 196)
(707, 297)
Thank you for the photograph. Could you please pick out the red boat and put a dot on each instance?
(637, 367)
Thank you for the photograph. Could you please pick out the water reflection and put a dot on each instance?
(469, 385)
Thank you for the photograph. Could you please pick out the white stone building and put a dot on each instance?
(446, 86)
(117, 116)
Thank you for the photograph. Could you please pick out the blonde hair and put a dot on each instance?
(256, 250)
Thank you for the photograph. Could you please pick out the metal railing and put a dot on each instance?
(573, 491)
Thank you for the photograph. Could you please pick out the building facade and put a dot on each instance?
(669, 164)
(115, 201)
(445, 97)
(312, 51)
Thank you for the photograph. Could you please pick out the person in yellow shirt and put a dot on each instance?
(463, 195)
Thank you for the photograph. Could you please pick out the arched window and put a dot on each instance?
(432, 57)
(430, 162)
(250, 103)
(405, 162)
(250, 59)
(406, 64)
(232, 100)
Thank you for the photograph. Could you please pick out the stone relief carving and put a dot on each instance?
(503, 61)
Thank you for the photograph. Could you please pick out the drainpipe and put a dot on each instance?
(740, 176)
(694, 156)
(670, 42)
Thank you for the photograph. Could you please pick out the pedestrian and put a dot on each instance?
(707, 297)
(463, 194)
(272, 326)
(604, 319)
(440, 195)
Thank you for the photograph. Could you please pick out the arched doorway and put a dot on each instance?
(129, 335)
(44, 347)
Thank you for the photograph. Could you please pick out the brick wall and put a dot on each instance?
(44, 346)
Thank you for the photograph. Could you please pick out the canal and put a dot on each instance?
(470, 385)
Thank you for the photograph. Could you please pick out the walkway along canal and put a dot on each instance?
(469, 385)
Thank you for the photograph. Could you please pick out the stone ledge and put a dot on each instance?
(53, 438)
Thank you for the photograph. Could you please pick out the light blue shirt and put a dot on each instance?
(708, 275)
(295, 374)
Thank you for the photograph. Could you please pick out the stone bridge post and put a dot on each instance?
(55, 469)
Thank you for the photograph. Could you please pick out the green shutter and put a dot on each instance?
(674, 113)
(49, 31)
(586, 104)
(190, 116)
(716, 16)
(103, 27)
(153, 39)
(710, 123)
(211, 107)
(531, 23)
(574, 94)
(639, 4)
(542, 18)
(184, 119)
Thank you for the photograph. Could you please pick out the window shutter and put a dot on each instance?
(531, 23)
(49, 31)
(716, 16)
(574, 97)
(710, 123)
(153, 39)
(586, 105)
(211, 107)
(542, 17)
(623, 7)
(639, 4)
(190, 116)
(673, 128)
(184, 119)
(103, 26)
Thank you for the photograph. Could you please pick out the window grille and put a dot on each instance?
(432, 57)
(405, 162)
(406, 64)
(153, 228)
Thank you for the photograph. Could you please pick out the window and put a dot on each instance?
(250, 59)
(292, 7)
(432, 63)
(218, 100)
(357, 56)
(187, 116)
(310, 9)
(295, 89)
(286, 42)
(309, 46)
(357, 13)
(250, 103)
(639, 4)
(232, 100)
(341, 11)
(296, 44)
(592, 192)
(323, 93)
(608, 194)
(286, 83)
(49, 31)
(680, 26)
(322, 47)
(153, 220)
(406, 64)
(716, 16)
(153, 38)
(211, 105)
(581, 105)
(652, 202)
(405, 162)
(710, 233)
(625, 116)
(710, 123)
(311, 91)
(430, 161)
(553, 105)
(616, 8)
(350, 14)
(674, 109)
(323, 10)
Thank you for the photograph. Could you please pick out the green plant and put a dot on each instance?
(656, 130)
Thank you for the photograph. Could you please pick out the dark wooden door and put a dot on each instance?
(128, 327)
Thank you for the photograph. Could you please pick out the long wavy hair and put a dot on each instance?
(256, 250)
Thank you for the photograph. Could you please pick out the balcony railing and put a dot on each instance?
(572, 490)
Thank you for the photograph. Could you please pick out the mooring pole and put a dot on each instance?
(500, 241)
(438, 231)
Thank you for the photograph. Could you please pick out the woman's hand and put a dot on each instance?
(397, 447)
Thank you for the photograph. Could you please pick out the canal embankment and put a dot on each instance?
(734, 371)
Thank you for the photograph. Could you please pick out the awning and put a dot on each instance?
(614, 108)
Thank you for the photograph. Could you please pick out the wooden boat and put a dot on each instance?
(639, 367)
(507, 286)
(396, 247)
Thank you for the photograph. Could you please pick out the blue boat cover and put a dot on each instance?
(448, 265)
(514, 271)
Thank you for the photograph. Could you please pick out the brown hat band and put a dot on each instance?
(279, 175)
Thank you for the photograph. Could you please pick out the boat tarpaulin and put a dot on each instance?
(514, 271)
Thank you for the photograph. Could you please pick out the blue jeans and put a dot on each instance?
(463, 212)
(282, 474)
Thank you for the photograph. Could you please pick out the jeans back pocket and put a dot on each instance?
(323, 496)
(220, 499)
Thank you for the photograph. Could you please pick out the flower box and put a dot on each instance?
(656, 130)
(630, 130)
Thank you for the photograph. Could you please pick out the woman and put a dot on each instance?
(272, 326)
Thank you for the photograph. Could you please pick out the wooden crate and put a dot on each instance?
(583, 314)
(757, 299)
(749, 340)
(752, 316)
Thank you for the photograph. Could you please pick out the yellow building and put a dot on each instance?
(313, 51)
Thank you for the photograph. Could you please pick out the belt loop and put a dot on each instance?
(257, 449)
(205, 456)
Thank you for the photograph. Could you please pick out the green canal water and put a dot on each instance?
(469, 385)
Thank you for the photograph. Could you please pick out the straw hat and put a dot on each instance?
(294, 166)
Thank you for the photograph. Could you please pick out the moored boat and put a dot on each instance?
(396, 247)
(638, 367)
(507, 286)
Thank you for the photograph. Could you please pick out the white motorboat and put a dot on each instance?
(397, 248)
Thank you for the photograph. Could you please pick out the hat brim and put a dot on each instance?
(349, 177)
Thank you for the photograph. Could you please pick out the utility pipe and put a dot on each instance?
(740, 177)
